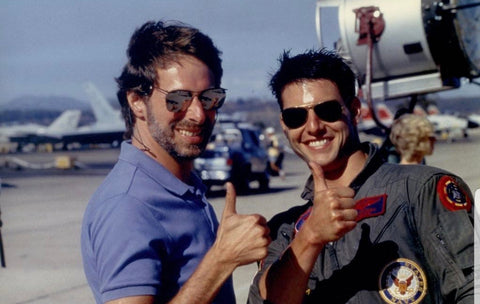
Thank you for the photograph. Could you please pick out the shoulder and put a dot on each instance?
(416, 174)
(115, 211)
(423, 183)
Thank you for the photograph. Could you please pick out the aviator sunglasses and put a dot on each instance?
(180, 100)
(329, 111)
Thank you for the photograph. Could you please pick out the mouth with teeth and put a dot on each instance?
(318, 143)
(193, 136)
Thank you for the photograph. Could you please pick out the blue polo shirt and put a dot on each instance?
(144, 231)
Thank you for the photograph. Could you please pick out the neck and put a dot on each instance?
(344, 174)
(404, 161)
(181, 169)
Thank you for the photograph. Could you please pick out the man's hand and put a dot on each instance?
(241, 239)
(333, 213)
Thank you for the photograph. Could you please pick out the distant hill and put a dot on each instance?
(44, 109)
(462, 105)
(41, 109)
(56, 103)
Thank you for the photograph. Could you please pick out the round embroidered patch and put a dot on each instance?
(451, 195)
(402, 281)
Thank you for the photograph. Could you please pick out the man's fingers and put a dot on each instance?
(230, 201)
(318, 177)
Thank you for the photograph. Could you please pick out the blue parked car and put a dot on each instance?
(236, 154)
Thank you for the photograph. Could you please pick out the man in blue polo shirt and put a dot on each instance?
(149, 235)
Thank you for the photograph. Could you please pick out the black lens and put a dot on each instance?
(329, 111)
(294, 117)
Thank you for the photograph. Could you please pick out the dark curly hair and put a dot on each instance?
(311, 65)
(155, 45)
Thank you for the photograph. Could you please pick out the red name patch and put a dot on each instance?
(371, 206)
(366, 207)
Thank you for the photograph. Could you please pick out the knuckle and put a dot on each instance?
(335, 204)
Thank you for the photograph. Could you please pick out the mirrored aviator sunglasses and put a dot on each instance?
(329, 111)
(179, 100)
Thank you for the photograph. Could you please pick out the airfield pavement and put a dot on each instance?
(42, 212)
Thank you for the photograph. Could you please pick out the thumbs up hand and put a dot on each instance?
(333, 213)
(241, 239)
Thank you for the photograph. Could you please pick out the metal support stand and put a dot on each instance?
(2, 253)
(370, 26)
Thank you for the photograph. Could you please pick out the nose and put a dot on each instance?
(313, 123)
(195, 111)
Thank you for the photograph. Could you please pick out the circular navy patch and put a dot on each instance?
(451, 195)
(402, 281)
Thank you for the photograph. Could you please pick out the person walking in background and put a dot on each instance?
(149, 235)
(275, 153)
(413, 137)
(370, 231)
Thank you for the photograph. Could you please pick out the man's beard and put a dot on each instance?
(179, 151)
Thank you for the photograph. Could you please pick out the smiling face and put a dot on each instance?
(326, 143)
(183, 135)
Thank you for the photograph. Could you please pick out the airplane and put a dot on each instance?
(474, 120)
(446, 126)
(65, 122)
(367, 124)
(7, 131)
(108, 128)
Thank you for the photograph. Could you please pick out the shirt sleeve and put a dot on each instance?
(127, 248)
(445, 226)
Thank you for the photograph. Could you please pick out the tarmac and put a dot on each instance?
(42, 211)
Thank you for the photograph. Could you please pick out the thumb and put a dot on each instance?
(318, 178)
(230, 201)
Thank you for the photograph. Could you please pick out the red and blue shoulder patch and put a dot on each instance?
(452, 196)
(371, 206)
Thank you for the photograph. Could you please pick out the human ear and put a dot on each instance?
(284, 127)
(356, 110)
(136, 104)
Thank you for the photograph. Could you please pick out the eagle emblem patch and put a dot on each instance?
(402, 281)
(451, 195)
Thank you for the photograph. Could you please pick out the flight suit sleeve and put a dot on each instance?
(275, 251)
(444, 221)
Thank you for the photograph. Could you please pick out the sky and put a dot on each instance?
(52, 47)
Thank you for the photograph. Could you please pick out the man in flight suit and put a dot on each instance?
(370, 232)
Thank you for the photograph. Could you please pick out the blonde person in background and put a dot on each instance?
(275, 154)
(413, 137)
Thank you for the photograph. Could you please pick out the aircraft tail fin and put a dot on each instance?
(433, 110)
(67, 121)
(418, 110)
(383, 114)
(102, 109)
